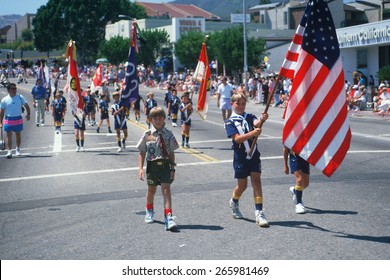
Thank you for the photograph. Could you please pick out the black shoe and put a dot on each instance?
(109, 130)
(97, 130)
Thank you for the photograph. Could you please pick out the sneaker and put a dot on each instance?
(78, 149)
(57, 131)
(169, 223)
(9, 154)
(300, 209)
(188, 145)
(119, 149)
(82, 149)
(149, 216)
(235, 210)
(124, 144)
(37, 124)
(42, 124)
(18, 151)
(260, 219)
(292, 191)
(174, 124)
(62, 123)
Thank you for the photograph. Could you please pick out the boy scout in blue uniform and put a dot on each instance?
(242, 127)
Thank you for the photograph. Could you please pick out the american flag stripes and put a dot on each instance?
(316, 122)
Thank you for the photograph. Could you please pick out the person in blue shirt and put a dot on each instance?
(39, 95)
(150, 103)
(58, 109)
(242, 128)
(173, 107)
(103, 107)
(11, 117)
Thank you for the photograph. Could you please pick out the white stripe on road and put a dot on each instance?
(112, 170)
(57, 146)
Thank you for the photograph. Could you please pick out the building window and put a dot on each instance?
(361, 59)
(262, 18)
(285, 18)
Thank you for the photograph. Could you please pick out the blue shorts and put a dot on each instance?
(187, 123)
(244, 167)
(297, 163)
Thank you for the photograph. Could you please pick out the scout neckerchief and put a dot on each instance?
(242, 128)
(161, 144)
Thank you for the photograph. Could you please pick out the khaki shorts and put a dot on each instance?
(158, 172)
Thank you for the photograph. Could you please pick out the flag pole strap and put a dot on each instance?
(265, 112)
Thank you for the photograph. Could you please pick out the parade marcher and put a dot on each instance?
(91, 107)
(103, 107)
(185, 113)
(157, 146)
(39, 95)
(167, 100)
(150, 103)
(58, 110)
(174, 107)
(120, 121)
(64, 102)
(79, 129)
(301, 169)
(11, 117)
(224, 94)
(242, 128)
(137, 108)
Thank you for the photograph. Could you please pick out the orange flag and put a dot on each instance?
(202, 74)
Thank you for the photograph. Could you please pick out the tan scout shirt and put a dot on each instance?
(150, 145)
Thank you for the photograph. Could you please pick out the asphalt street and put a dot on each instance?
(56, 203)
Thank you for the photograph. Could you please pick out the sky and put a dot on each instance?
(22, 7)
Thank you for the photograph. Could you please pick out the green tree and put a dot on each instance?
(27, 35)
(155, 45)
(384, 73)
(188, 47)
(228, 46)
(116, 50)
(83, 21)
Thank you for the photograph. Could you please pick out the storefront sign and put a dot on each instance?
(363, 35)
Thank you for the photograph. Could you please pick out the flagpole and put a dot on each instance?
(265, 112)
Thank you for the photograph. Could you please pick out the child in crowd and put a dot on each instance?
(120, 121)
(301, 169)
(150, 103)
(64, 102)
(242, 128)
(157, 145)
(79, 129)
(173, 107)
(103, 107)
(58, 110)
(186, 111)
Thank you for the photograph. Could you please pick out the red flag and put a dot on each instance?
(97, 78)
(316, 123)
(202, 74)
(72, 86)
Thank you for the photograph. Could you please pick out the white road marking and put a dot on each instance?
(57, 146)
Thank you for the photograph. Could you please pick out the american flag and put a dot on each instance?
(316, 122)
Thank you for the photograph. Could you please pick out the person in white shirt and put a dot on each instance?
(224, 93)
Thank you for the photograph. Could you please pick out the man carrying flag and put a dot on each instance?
(202, 74)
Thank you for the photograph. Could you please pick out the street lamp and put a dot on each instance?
(245, 48)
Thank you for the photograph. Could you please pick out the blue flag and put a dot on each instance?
(130, 92)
